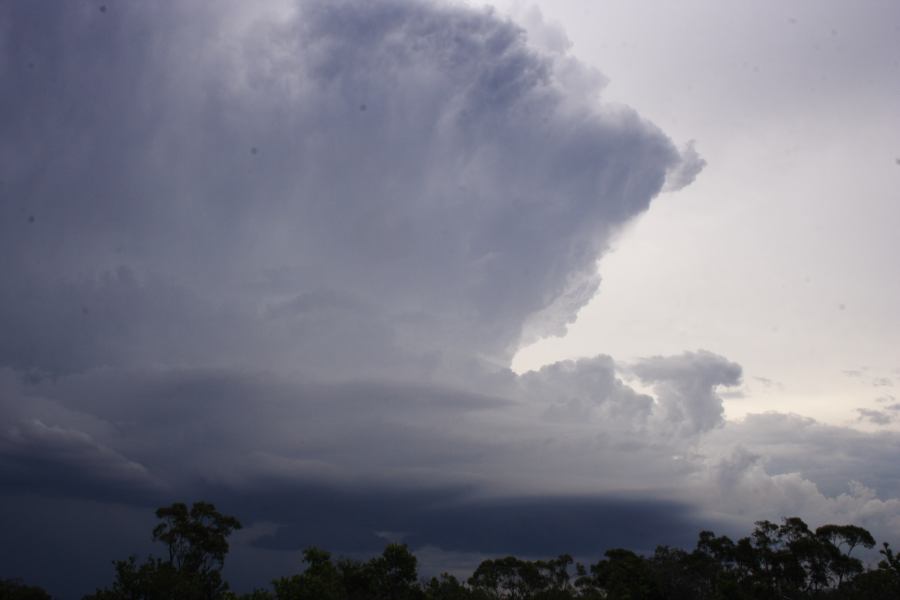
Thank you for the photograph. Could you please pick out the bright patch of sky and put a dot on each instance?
(782, 254)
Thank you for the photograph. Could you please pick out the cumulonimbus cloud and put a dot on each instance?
(253, 256)
(184, 197)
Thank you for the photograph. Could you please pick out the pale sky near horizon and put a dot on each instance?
(782, 255)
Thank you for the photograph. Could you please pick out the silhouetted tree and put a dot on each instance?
(448, 587)
(508, 577)
(320, 581)
(882, 583)
(391, 576)
(786, 561)
(844, 539)
(197, 542)
(15, 589)
(624, 575)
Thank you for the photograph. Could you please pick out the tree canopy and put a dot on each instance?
(777, 561)
(196, 540)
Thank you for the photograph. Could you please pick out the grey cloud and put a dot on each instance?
(828, 456)
(334, 463)
(541, 526)
(363, 458)
(729, 469)
(686, 388)
(574, 427)
(238, 285)
(878, 417)
(544, 34)
(587, 389)
(752, 490)
(551, 38)
(329, 319)
(474, 194)
(570, 427)
(35, 456)
(769, 383)
(77, 536)
(686, 171)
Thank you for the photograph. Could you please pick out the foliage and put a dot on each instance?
(197, 542)
(14, 589)
(786, 561)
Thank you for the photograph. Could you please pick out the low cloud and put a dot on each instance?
(827, 455)
(560, 447)
(686, 388)
(35, 456)
(877, 417)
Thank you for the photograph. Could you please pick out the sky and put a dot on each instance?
(779, 255)
(530, 278)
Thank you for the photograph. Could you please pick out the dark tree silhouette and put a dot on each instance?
(15, 589)
(197, 542)
(786, 561)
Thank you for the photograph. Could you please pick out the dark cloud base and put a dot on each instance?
(66, 545)
(80, 537)
(532, 526)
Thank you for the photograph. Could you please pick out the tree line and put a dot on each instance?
(785, 561)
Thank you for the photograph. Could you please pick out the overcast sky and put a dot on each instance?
(529, 279)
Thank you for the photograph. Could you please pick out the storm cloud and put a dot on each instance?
(395, 186)
(281, 259)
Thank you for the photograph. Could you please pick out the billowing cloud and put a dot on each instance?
(829, 455)
(751, 492)
(686, 387)
(588, 390)
(396, 185)
(280, 259)
(684, 174)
